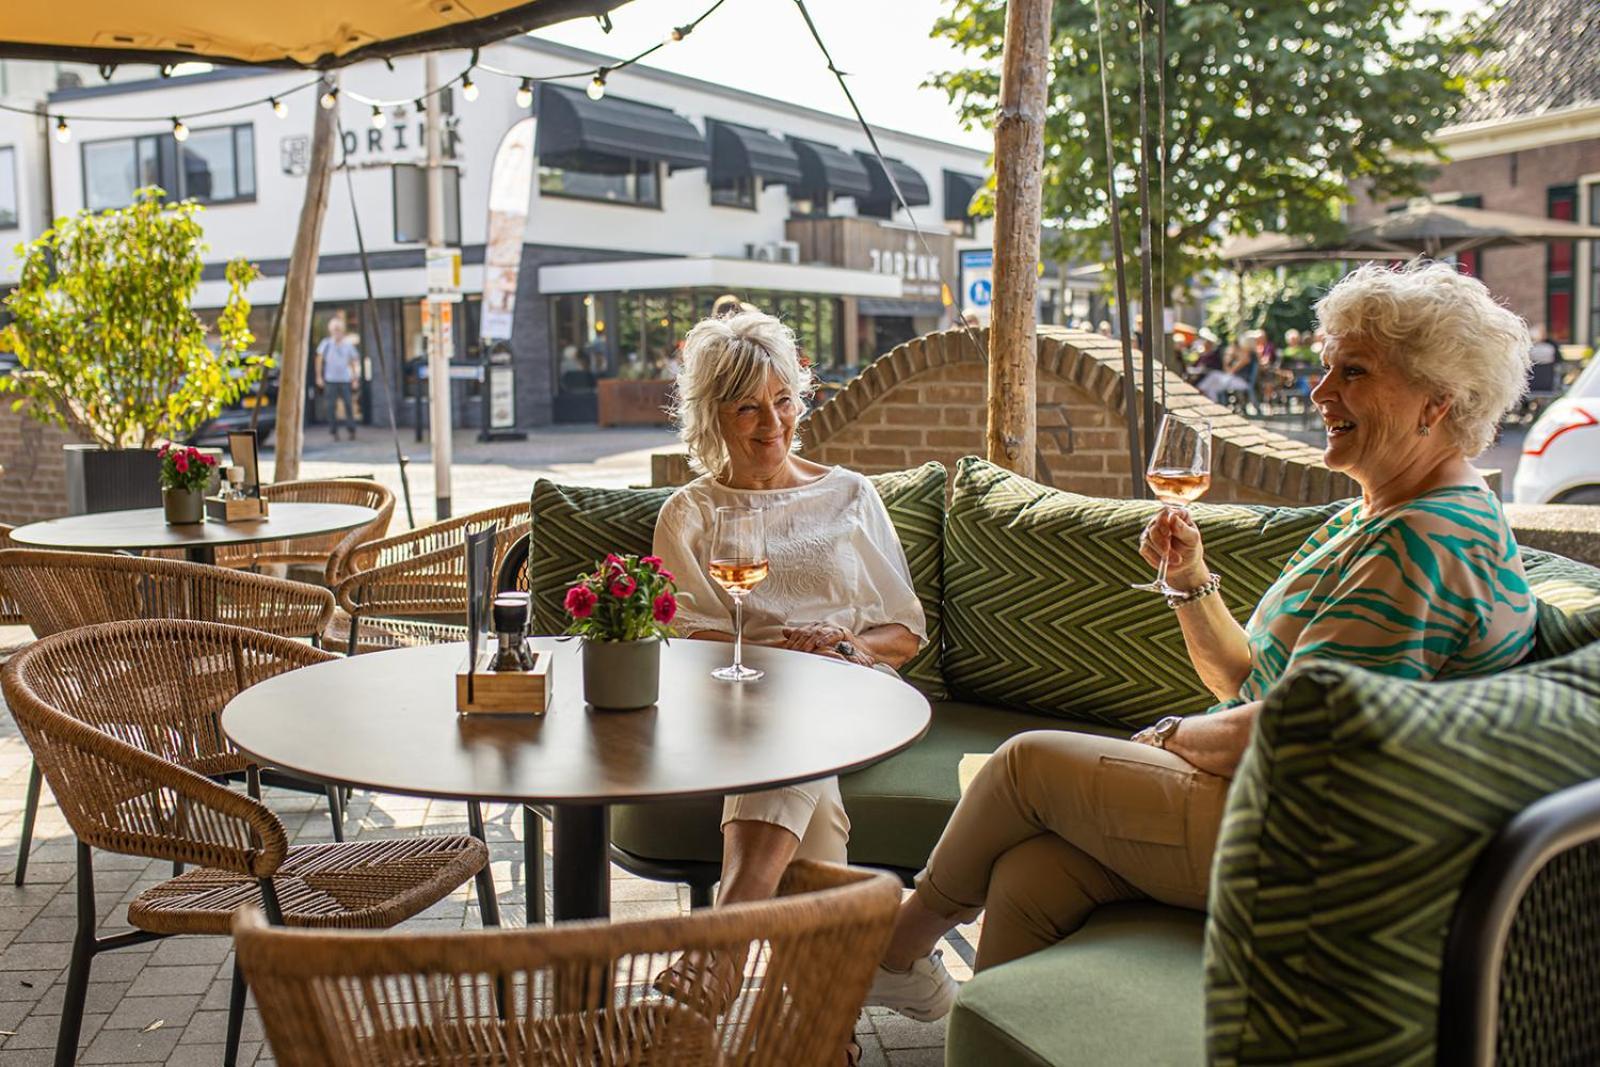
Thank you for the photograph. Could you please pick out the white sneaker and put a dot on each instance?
(925, 992)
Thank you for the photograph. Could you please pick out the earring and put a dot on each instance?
(1422, 431)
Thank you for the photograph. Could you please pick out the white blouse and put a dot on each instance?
(834, 555)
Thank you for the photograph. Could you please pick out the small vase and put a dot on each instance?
(184, 506)
(618, 675)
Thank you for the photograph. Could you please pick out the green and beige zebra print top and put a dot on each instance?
(1429, 589)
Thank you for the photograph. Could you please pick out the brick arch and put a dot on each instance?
(926, 400)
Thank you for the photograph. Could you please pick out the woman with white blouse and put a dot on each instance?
(839, 584)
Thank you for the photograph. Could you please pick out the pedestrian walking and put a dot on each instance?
(338, 367)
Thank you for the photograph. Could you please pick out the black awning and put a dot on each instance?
(572, 126)
(824, 167)
(911, 183)
(958, 192)
(746, 152)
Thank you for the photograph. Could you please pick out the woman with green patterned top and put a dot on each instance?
(1420, 578)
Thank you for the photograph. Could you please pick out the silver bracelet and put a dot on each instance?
(1205, 589)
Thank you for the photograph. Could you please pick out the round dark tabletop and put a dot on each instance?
(387, 721)
(145, 528)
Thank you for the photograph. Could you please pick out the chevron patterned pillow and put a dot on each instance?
(1038, 614)
(1356, 815)
(1569, 602)
(574, 525)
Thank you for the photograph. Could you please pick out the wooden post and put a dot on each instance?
(1019, 189)
(299, 290)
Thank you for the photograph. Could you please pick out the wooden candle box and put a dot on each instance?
(505, 692)
(246, 509)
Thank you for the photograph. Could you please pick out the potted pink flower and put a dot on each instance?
(185, 473)
(623, 610)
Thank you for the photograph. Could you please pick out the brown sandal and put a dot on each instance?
(707, 982)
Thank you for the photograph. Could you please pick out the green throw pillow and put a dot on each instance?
(574, 526)
(1354, 818)
(1038, 610)
(1568, 604)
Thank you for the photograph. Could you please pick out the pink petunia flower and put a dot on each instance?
(182, 463)
(580, 601)
(665, 608)
(651, 561)
(623, 587)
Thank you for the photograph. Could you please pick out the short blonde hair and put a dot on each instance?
(727, 360)
(1445, 332)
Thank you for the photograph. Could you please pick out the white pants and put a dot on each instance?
(812, 811)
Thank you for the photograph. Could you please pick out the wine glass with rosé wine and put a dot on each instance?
(1179, 474)
(738, 564)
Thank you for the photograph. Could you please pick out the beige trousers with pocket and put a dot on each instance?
(1057, 823)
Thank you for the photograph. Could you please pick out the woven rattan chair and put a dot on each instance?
(10, 612)
(123, 720)
(331, 552)
(58, 591)
(580, 993)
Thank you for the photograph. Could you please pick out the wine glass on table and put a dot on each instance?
(738, 564)
(1179, 474)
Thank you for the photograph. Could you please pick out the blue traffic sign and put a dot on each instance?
(980, 292)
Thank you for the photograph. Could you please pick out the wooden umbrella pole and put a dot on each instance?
(1019, 193)
(1150, 332)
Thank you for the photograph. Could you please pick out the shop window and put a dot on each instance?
(411, 204)
(1559, 257)
(1471, 261)
(735, 192)
(610, 179)
(214, 166)
(8, 188)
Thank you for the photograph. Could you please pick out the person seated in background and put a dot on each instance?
(1206, 356)
(1419, 578)
(839, 585)
(1231, 377)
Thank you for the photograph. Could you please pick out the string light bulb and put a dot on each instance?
(597, 87)
(63, 131)
(279, 108)
(525, 93)
(180, 132)
(330, 98)
(421, 107)
(469, 88)
(677, 34)
(379, 119)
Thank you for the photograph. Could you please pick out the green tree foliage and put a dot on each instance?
(1274, 107)
(1272, 303)
(107, 344)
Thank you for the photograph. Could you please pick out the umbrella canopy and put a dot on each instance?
(286, 33)
(1435, 230)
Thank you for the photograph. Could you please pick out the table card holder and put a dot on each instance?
(243, 453)
(479, 688)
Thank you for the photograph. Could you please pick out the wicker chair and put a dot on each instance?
(58, 591)
(331, 552)
(580, 993)
(123, 720)
(10, 613)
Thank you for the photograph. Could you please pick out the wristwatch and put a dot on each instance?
(1162, 731)
(845, 649)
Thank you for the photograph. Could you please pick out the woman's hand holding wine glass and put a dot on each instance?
(1179, 474)
(1172, 534)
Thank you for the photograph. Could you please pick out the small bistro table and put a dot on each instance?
(142, 529)
(386, 721)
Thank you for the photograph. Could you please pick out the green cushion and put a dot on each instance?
(1038, 610)
(1568, 604)
(575, 526)
(1356, 813)
(1127, 988)
(897, 808)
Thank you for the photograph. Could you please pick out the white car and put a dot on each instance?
(1560, 461)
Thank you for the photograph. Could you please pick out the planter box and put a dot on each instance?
(100, 479)
(633, 403)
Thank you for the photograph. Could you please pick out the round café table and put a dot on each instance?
(386, 721)
(142, 529)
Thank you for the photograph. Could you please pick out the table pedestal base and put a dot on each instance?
(582, 847)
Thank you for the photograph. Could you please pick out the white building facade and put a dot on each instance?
(644, 207)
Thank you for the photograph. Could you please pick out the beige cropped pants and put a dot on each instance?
(812, 811)
(1057, 823)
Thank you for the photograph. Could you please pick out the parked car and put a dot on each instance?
(262, 406)
(1561, 455)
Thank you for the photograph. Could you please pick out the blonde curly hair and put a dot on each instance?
(726, 360)
(1445, 333)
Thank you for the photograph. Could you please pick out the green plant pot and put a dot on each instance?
(184, 506)
(620, 675)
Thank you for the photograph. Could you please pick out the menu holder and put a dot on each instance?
(480, 690)
(244, 453)
(248, 509)
(479, 563)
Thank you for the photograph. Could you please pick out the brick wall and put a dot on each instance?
(34, 485)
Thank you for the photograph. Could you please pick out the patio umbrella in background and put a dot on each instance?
(285, 33)
(1422, 229)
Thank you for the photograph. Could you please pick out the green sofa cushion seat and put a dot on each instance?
(1357, 812)
(898, 808)
(1127, 988)
(574, 526)
(1569, 602)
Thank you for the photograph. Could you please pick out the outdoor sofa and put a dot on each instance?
(1362, 808)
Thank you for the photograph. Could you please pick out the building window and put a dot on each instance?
(611, 179)
(1559, 259)
(8, 189)
(736, 192)
(410, 200)
(1470, 261)
(214, 166)
(1594, 267)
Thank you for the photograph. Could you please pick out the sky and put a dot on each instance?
(762, 46)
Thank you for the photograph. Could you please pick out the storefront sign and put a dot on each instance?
(502, 397)
(443, 269)
(372, 147)
(866, 244)
(977, 283)
(510, 185)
